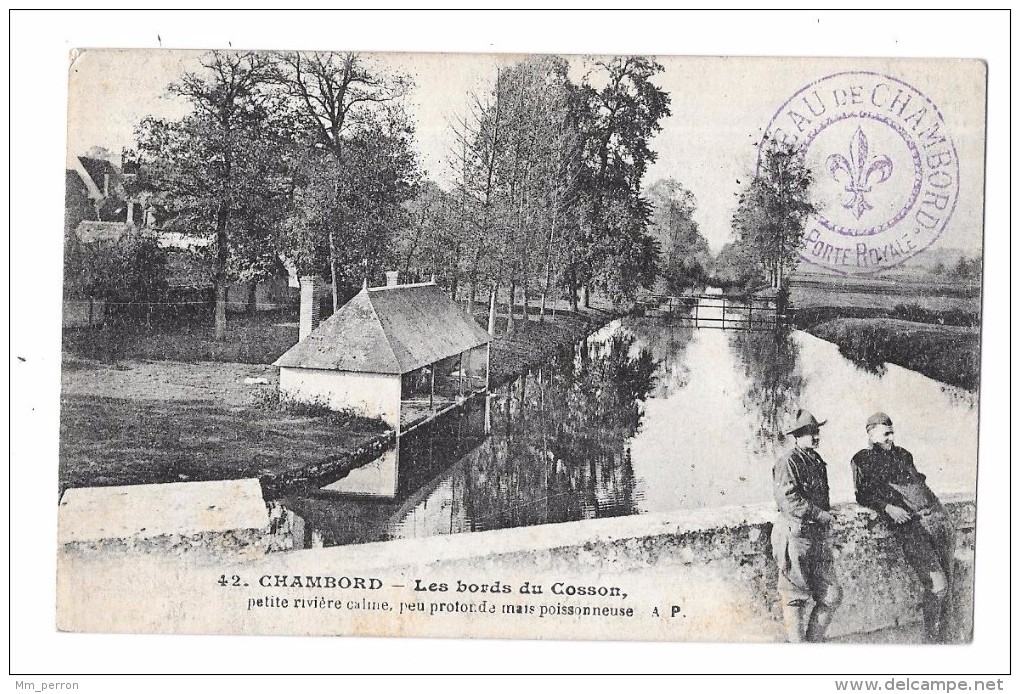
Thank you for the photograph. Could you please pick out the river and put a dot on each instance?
(648, 416)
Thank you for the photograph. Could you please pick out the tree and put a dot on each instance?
(534, 174)
(480, 137)
(687, 256)
(549, 175)
(349, 214)
(967, 269)
(516, 159)
(737, 265)
(220, 169)
(429, 243)
(381, 177)
(343, 99)
(129, 271)
(773, 208)
(618, 110)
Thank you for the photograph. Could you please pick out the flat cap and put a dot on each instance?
(876, 419)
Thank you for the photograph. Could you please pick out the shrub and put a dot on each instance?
(920, 314)
(269, 399)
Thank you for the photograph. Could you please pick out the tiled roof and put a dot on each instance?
(97, 168)
(390, 330)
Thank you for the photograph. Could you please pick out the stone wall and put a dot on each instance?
(703, 575)
(715, 563)
(225, 519)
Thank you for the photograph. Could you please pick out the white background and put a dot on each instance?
(39, 57)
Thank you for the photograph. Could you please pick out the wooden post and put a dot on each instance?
(432, 386)
(697, 303)
(460, 376)
(750, 309)
(724, 313)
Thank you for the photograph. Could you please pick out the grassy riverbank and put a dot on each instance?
(142, 422)
(532, 342)
(950, 354)
(158, 416)
(926, 326)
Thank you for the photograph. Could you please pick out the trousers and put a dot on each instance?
(804, 559)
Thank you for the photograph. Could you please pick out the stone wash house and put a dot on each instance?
(402, 353)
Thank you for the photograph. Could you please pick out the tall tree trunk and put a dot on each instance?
(253, 303)
(220, 280)
(492, 308)
(548, 265)
(455, 271)
(220, 319)
(510, 308)
(333, 262)
(472, 294)
(573, 290)
(524, 308)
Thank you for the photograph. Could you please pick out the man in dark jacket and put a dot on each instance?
(800, 536)
(886, 480)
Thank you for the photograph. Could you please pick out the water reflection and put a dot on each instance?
(644, 417)
(770, 362)
(557, 451)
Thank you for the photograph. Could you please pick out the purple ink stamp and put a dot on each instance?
(886, 174)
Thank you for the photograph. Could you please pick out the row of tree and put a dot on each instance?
(310, 156)
(548, 186)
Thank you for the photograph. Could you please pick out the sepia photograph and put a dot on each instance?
(316, 300)
(536, 345)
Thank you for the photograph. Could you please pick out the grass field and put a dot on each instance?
(815, 290)
(142, 422)
(250, 339)
(929, 326)
(153, 408)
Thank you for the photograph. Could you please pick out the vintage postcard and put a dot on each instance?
(521, 346)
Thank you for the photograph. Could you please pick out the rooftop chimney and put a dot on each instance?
(392, 277)
(312, 287)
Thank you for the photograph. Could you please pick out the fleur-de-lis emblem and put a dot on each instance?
(859, 173)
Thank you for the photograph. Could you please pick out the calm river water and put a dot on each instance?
(648, 416)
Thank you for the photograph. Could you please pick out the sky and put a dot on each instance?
(719, 107)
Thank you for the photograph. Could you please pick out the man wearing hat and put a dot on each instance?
(800, 536)
(886, 480)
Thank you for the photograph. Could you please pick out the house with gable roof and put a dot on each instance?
(402, 353)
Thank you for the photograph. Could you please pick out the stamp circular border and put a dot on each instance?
(938, 113)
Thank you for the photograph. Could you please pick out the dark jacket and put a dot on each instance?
(801, 486)
(884, 477)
